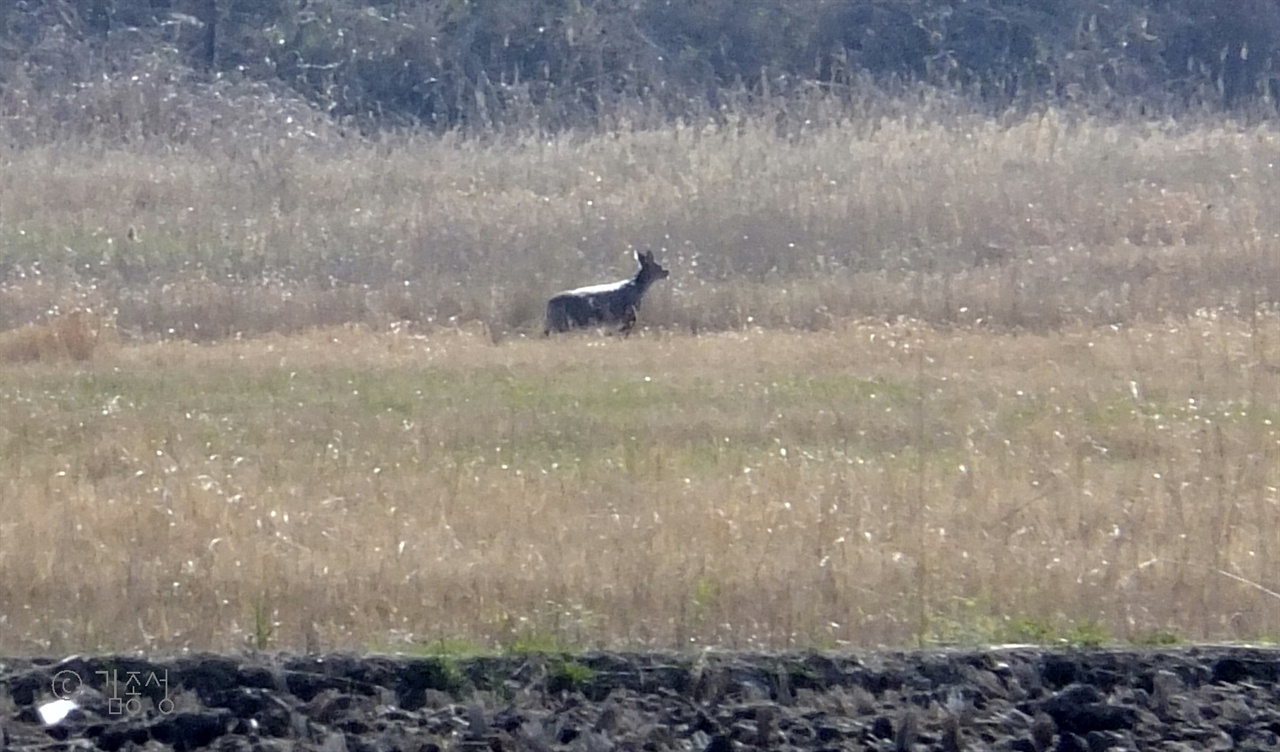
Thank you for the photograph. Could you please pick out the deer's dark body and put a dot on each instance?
(604, 305)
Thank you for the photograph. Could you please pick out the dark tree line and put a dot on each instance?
(554, 63)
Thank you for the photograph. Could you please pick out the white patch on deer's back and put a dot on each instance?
(598, 289)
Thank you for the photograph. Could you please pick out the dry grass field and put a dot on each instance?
(917, 376)
(872, 484)
(914, 210)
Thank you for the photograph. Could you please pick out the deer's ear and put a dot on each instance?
(639, 256)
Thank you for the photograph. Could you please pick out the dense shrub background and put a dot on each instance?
(548, 64)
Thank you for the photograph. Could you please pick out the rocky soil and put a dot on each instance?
(1195, 698)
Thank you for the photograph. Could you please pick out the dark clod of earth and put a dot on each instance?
(1023, 699)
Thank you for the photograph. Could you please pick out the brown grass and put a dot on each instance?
(872, 484)
(1037, 222)
(916, 376)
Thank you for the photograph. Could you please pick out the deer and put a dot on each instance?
(612, 303)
